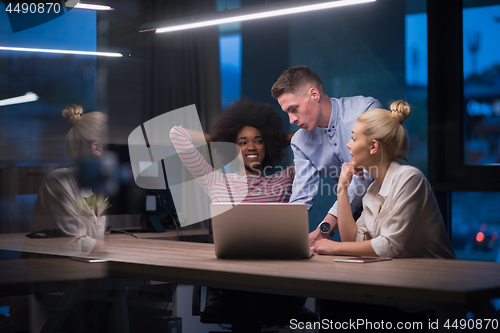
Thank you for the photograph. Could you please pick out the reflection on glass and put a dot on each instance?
(476, 225)
(230, 68)
(32, 134)
(481, 61)
(416, 87)
(68, 204)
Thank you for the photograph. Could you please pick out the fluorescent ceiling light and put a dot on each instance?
(92, 7)
(28, 97)
(23, 49)
(245, 14)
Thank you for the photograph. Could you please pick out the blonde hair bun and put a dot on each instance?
(72, 114)
(400, 111)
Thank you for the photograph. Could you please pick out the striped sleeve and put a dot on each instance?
(190, 156)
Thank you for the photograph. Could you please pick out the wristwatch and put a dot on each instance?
(325, 228)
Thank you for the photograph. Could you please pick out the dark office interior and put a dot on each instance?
(442, 57)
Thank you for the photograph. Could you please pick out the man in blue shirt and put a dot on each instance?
(320, 144)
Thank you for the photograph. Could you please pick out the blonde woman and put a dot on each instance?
(62, 207)
(400, 215)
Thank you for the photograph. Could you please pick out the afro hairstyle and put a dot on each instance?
(255, 114)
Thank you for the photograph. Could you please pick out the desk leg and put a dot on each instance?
(120, 308)
(60, 312)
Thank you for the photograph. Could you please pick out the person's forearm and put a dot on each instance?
(363, 248)
(199, 137)
(346, 224)
(332, 220)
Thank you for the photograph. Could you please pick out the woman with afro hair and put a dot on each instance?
(256, 129)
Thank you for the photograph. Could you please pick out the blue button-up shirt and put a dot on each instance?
(324, 150)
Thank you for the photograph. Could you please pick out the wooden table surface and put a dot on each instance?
(417, 282)
(23, 276)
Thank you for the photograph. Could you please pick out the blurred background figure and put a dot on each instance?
(63, 207)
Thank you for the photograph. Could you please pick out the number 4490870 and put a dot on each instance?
(471, 324)
(40, 8)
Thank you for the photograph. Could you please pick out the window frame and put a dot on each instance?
(447, 169)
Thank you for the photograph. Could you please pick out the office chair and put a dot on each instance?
(214, 312)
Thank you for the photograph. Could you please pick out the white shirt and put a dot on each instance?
(60, 206)
(402, 217)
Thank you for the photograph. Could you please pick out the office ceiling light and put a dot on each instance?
(92, 7)
(28, 97)
(245, 14)
(23, 49)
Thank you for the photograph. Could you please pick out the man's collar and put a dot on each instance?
(334, 114)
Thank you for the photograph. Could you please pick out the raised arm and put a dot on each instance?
(356, 191)
(346, 224)
(197, 138)
(184, 142)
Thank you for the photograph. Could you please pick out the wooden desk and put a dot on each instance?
(444, 285)
(398, 281)
(19, 275)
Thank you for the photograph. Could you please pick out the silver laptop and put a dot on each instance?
(260, 230)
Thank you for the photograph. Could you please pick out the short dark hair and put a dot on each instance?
(294, 78)
(256, 114)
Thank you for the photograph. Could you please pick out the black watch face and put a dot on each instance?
(325, 227)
